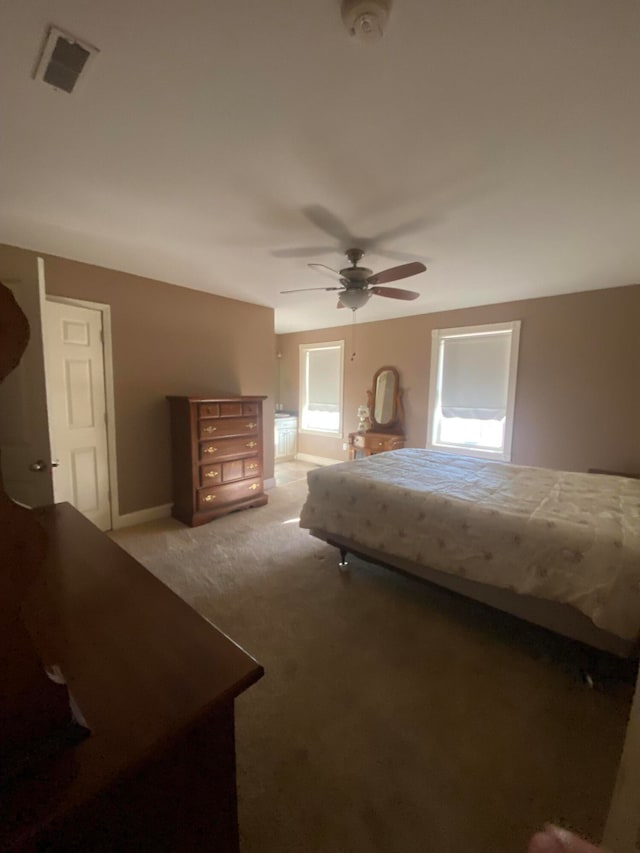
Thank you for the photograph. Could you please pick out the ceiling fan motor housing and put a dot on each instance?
(355, 276)
(365, 20)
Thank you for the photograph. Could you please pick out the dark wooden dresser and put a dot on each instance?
(156, 683)
(217, 456)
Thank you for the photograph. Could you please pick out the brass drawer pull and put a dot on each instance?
(254, 486)
(209, 498)
(252, 467)
(251, 425)
(251, 444)
(210, 450)
(212, 474)
(209, 429)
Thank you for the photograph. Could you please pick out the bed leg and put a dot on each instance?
(343, 563)
(599, 669)
(587, 667)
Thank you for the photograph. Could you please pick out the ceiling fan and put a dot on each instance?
(358, 284)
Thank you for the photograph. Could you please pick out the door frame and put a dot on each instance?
(107, 353)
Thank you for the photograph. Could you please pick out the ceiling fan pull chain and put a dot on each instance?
(353, 335)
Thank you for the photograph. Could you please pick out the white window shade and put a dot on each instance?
(321, 370)
(323, 379)
(475, 376)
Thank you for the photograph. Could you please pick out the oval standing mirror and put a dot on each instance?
(385, 392)
(384, 398)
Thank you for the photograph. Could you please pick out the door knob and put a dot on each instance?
(41, 465)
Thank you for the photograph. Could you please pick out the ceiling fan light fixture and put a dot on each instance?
(354, 298)
(358, 284)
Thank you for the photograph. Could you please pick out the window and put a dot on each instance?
(321, 367)
(472, 389)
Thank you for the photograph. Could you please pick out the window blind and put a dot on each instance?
(323, 380)
(475, 376)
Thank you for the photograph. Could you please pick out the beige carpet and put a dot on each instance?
(393, 716)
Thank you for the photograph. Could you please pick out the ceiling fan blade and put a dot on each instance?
(340, 305)
(394, 292)
(327, 222)
(394, 255)
(301, 289)
(396, 273)
(323, 269)
(303, 252)
(409, 227)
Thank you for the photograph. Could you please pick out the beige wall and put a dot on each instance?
(578, 392)
(169, 340)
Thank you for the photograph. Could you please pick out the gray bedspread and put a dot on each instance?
(563, 536)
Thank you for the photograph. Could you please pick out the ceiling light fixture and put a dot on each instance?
(354, 298)
(365, 20)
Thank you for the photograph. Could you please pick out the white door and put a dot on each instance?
(24, 433)
(77, 409)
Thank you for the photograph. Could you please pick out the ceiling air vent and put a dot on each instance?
(63, 59)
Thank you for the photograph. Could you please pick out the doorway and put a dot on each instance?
(77, 369)
(24, 431)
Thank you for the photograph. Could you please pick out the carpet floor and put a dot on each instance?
(393, 716)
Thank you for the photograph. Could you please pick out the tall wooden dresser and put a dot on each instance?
(217, 456)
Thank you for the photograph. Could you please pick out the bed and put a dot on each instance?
(560, 549)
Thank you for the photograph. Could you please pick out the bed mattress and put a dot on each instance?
(557, 535)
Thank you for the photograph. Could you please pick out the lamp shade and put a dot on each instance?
(354, 298)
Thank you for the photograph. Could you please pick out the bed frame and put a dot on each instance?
(559, 618)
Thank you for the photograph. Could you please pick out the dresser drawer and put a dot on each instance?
(368, 443)
(252, 467)
(249, 408)
(222, 427)
(227, 493)
(381, 443)
(210, 474)
(209, 410)
(228, 448)
(396, 443)
(232, 470)
(225, 472)
(230, 410)
(359, 441)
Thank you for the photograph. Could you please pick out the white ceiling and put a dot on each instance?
(206, 135)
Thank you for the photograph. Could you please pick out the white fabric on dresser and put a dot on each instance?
(558, 535)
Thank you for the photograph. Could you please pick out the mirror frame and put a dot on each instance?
(396, 424)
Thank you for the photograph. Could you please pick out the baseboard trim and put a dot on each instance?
(269, 483)
(317, 460)
(152, 513)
